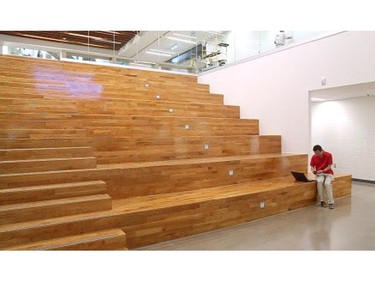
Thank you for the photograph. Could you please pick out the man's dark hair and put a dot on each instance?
(317, 147)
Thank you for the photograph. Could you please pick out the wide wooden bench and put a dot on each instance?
(156, 218)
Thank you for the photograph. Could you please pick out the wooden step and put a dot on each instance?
(113, 149)
(51, 191)
(111, 94)
(19, 123)
(6, 143)
(50, 164)
(178, 128)
(45, 153)
(135, 126)
(42, 133)
(14, 213)
(138, 179)
(157, 218)
(134, 108)
(111, 239)
(121, 150)
(186, 110)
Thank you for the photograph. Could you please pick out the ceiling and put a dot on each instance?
(100, 39)
(169, 46)
(143, 48)
(343, 92)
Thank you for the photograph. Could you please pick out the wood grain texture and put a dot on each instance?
(156, 218)
(19, 212)
(111, 239)
(51, 191)
(88, 152)
(145, 178)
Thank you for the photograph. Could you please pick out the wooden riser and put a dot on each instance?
(29, 232)
(72, 80)
(14, 213)
(45, 153)
(31, 108)
(61, 71)
(97, 104)
(41, 143)
(136, 150)
(51, 164)
(142, 126)
(15, 96)
(169, 131)
(113, 95)
(198, 218)
(117, 150)
(112, 239)
(50, 192)
(139, 179)
(174, 222)
(220, 111)
(42, 133)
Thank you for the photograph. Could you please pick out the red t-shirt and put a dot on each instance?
(322, 163)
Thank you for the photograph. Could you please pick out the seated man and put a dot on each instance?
(321, 163)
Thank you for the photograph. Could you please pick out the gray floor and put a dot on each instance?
(350, 226)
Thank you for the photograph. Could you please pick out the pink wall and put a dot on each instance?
(274, 88)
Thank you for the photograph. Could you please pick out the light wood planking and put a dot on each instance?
(13, 213)
(156, 218)
(111, 239)
(51, 191)
(138, 179)
(172, 173)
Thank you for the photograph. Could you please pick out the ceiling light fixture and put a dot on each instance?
(82, 35)
(139, 64)
(162, 51)
(142, 61)
(215, 32)
(93, 37)
(181, 40)
(158, 54)
(184, 35)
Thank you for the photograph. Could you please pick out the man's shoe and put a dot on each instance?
(323, 204)
(331, 206)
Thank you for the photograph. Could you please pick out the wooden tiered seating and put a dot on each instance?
(89, 153)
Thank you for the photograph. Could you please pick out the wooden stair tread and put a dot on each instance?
(105, 100)
(53, 202)
(42, 148)
(70, 240)
(164, 163)
(160, 201)
(51, 191)
(55, 221)
(192, 161)
(57, 185)
(46, 160)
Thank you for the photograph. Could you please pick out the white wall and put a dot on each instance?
(347, 129)
(275, 88)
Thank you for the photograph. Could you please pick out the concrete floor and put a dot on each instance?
(350, 226)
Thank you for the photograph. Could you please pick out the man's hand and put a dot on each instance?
(320, 172)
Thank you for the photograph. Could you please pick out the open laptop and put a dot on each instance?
(300, 176)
